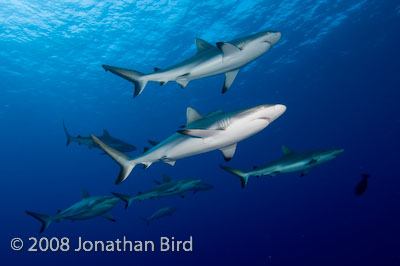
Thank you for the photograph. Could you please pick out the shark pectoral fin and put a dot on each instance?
(109, 217)
(199, 133)
(202, 45)
(229, 151)
(227, 49)
(229, 78)
(192, 115)
(183, 80)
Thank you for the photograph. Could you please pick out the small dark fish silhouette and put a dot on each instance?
(362, 186)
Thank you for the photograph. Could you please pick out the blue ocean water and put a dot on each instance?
(336, 69)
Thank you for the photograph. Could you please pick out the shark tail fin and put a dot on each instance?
(133, 76)
(66, 133)
(125, 198)
(123, 160)
(146, 220)
(45, 219)
(243, 176)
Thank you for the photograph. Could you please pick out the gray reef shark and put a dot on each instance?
(167, 188)
(226, 57)
(106, 138)
(215, 131)
(158, 214)
(88, 207)
(289, 163)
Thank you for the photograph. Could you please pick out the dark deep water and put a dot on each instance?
(336, 68)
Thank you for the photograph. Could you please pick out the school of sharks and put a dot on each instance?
(216, 130)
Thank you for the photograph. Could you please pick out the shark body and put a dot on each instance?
(87, 208)
(106, 138)
(289, 163)
(163, 212)
(225, 57)
(217, 130)
(167, 188)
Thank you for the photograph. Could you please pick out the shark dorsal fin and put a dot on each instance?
(106, 134)
(166, 178)
(153, 142)
(85, 194)
(202, 45)
(286, 150)
(157, 69)
(192, 115)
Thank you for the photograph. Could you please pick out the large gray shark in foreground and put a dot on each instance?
(106, 138)
(226, 57)
(215, 131)
(289, 163)
(167, 188)
(158, 214)
(88, 207)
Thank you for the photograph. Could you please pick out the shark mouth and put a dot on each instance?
(265, 118)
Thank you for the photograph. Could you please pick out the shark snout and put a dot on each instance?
(271, 112)
(273, 37)
(337, 152)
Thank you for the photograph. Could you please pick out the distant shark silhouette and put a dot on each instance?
(106, 138)
(86, 208)
(289, 163)
(362, 186)
(163, 212)
(167, 188)
(226, 57)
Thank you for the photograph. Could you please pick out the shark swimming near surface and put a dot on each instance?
(106, 138)
(87, 208)
(225, 57)
(289, 163)
(163, 212)
(215, 131)
(166, 188)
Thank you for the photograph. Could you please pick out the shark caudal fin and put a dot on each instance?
(146, 220)
(243, 176)
(66, 133)
(122, 159)
(133, 76)
(125, 198)
(45, 219)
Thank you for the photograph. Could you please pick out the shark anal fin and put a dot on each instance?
(229, 78)
(183, 80)
(171, 163)
(227, 49)
(108, 216)
(202, 45)
(229, 151)
(192, 115)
